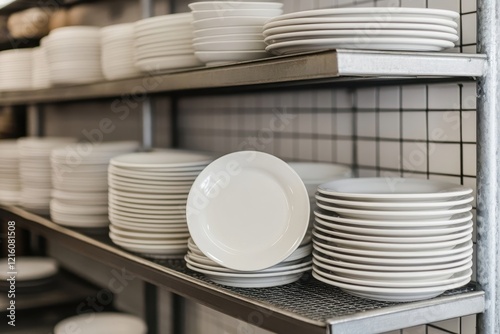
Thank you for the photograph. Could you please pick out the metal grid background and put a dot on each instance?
(423, 131)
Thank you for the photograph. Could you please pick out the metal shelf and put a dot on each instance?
(307, 306)
(333, 67)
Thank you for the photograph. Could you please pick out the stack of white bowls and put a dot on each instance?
(117, 46)
(164, 43)
(10, 182)
(231, 31)
(36, 171)
(15, 69)
(80, 187)
(393, 239)
(285, 272)
(147, 200)
(74, 55)
(41, 73)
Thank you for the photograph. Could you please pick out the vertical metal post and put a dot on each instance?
(488, 178)
(147, 123)
(174, 122)
(151, 307)
(178, 314)
(34, 120)
(147, 7)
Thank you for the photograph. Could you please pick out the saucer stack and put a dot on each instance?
(231, 31)
(74, 55)
(117, 46)
(41, 73)
(80, 187)
(33, 274)
(10, 182)
(36, 171)
(147, 200)
(15, 69)
(393, 239)
(368, 28)
(164, 43)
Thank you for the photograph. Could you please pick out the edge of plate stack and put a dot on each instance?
(230, 31)
(41, 73)
(368, 28)
(33, 274)
(10, 179)
(15, 69)
(147, 200)
(393, 239)
(79, 182)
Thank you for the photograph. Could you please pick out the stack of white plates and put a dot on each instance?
(80, 187)
(10, 182)
(109, 323)
(287, 271)
(32, 273)
(164, 43)
(248, 212)
(147, 200)
(41, 74)
(35, 171)
(117, 46)
(74, 55)
(393, 239)
(15, 69)
(231, 31)
(380, 28)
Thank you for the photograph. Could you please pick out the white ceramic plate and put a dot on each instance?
(140, 219)
(225, 13)
(393, 189)
(374, 11)
(387, 232)
(223, 5)
(396, 215)
(393, 239)
(230, 22)
(149, 228)
(217, 58)
(387, 261)
(112, 323)
(227, 38)
(147, 196)
(360, 35)
(248, 45)
(359, 27)
(411, 253)
(214, 32)
(30, 268)
(150, 241)
(147, 250)
(367, 43)
(243, 197)
(396, 206)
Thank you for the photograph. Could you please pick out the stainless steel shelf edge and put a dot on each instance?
(284, 309)
(318, 67)
(409, 315)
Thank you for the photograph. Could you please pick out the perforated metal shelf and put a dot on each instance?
(307, 306)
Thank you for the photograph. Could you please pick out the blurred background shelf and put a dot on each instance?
(306, 306)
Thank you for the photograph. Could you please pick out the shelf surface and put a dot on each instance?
(334, 66)
(307, 306)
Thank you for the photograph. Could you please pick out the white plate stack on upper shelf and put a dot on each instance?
(80, 182)
(393, 239)
(36, 171)
(147, 200)
(15, 69)
(164, 43)
(41, 73)
(117, 47)
(248, 214)
(10, 182)
(231, 31)
(74, 55)
(379, 28)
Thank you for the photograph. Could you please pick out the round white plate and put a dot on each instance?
(395, 206)
(132, 181)
(112, 323)
(167, 159)
(225, 13)
(393, 189)
(367, 43)
(172, 240)
(146, 220)
(147, 196)
(223, 5)
(230, 22)
(252, 274)
(175, 215)
(230, 46)
(396, 215)
(153, 249)
(385, 246)
(359, 27)
(214, 32)
(374, 11)
(30, 268)
(243, 197)
(393, 239)
(360, 35)
(147, 228)
(465, 251)
(226, 38)
(217, 58)
(387, 232)
(456, 219)
(388, 294)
